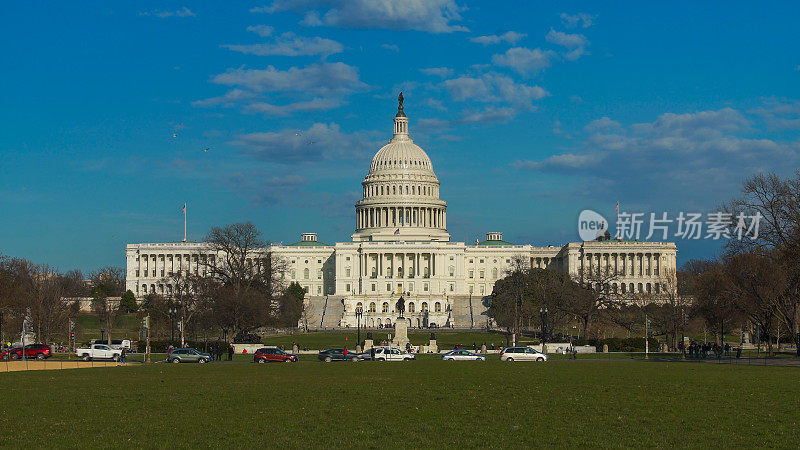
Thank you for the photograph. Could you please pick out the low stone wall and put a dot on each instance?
(53, 364)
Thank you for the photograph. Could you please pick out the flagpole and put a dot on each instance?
(184, 221)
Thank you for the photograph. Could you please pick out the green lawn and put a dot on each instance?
(424, 403)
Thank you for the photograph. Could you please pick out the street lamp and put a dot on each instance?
(172, 311)
(543, 313)
(359, 313)
(102, 332)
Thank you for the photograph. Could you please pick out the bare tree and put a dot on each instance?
(107, 282)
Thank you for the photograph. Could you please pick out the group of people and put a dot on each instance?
(218, 351)
(705, 350)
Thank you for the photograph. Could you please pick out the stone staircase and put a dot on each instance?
(332, 312)
(461, 312)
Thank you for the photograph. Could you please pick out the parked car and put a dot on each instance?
(337, 354)
(522, 354)
(32, 351)
(118, 344)
(98, 351)
(392, 354)
(187, 355)
(267, 354)
(462, 355)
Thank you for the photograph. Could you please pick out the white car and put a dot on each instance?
(98, 351)
(392, 354)
(522, 354)
(462, 355)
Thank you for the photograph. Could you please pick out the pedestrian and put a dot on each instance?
(230, 352)
(219, 352)
(122, 356)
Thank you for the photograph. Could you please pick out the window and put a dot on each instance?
(471, 288)
(480, 274)
(471, 260)
(483, 289)
(347, 272)
(437, 307)
(385, 307)
(373, 287)
(319, 261)
(424, 306)
(294, 274)
(319, 275)
(305, 273)
(389, 287)
(411, 287)
(305, 288)
(494, 272)
(319, 290)
(347, 287)
(346, 258)
(452, 271)
(472, 274)
(411, 307)
(425, 287)
(144, 288)
(372, 307)
(137, 273)
(452, 287)
(481, 261)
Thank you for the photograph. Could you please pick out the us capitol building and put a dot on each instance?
(401, 247)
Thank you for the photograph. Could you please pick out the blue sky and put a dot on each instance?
(530, 112)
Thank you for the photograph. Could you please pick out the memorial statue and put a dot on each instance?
(401, 304)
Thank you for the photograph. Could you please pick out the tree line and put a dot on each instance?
(754, 285)
(230, 297)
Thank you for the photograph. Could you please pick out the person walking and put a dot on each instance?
(122, 356)
(230, 352)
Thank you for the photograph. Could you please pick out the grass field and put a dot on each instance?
(417, 404)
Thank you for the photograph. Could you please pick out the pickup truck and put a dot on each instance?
(98, 351)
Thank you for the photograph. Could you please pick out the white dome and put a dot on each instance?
(401, 154)
(401, 193)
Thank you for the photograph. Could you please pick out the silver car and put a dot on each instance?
(462, 355)
(522, 354)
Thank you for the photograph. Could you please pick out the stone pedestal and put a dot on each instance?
(295, 349)
(368, 344)
(483, 348)
(544, 348)
(605, 348)
(400, 334)
(433, 347)
(358, 348)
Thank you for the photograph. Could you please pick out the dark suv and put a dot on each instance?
(37, 351)
(268, 354)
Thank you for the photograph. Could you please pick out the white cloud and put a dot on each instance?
(779, 113)
(261, 30)
(524, 60)
(574, 20)
(314, 87)
(321, 142)
(183, 12)
(702, 154)
(512, 37)
(443, 72)
(575, 43)
(322, 78)
(288, 44)
(315, 104)
(434, 16)
(390, 47)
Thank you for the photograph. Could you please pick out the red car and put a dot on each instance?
(265, 355)
(32, 351)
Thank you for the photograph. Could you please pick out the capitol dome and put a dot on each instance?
(401, 192)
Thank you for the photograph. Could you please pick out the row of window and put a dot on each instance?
(437, 307)
(373, 190)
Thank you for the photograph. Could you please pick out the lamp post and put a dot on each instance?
(543, 314)
(102, 333)
(359, 313)
(172, 311)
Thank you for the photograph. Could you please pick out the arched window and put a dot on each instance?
(394, 190)
(358, 306)
(411, 307)
(494, 272)
(424, 306)
(385, 307)
(305, 273)
(388, 321)
(144, 288)
(437, 307)
(372, 307)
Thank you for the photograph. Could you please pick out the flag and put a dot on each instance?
(616, 208)
(397, 231)
(184, 208)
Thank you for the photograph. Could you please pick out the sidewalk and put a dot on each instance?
(53, 364)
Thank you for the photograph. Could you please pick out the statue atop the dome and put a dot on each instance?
(400, 112)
